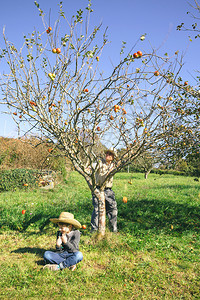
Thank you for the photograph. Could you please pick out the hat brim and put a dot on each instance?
(73, 222)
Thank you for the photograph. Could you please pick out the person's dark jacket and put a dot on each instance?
(73, 239)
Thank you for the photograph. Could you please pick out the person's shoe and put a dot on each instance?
(72, 268)
(52, 267)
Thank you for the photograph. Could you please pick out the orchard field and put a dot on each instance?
(155, 254)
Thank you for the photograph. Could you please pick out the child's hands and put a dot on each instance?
(64, 230)
(64, 238)
(59, 241)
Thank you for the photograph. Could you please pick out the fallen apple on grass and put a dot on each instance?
(125, 199)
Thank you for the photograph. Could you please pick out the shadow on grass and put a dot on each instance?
(40, 219)
(135, 216)
(158, 215)
(37, 221)
(32, 250)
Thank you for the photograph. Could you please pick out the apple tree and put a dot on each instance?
(194, 29)
(56, 88)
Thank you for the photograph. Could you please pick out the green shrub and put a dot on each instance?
(18, 178)
(171, 172)
(136, 169)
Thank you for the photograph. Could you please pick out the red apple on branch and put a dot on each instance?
(116, 108)
(156, 73)
(58, 50)
(32, 103)
(48, 30)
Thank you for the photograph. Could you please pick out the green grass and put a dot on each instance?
(147, 259)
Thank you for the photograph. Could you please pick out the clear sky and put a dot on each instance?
(127, 20)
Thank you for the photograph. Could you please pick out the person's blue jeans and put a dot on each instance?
(63, 259)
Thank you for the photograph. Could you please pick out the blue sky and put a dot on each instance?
(127, 20)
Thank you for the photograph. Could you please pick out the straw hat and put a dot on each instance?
(68, 218)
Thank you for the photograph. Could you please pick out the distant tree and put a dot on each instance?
(193, 161)
(144, 163)
(55, 84)
(181, 165)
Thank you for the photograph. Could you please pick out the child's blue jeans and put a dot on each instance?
(63, 259)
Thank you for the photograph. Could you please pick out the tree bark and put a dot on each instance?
(102, 211)
(147, 173)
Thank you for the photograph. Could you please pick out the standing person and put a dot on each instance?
(104, 167)
(67, 253)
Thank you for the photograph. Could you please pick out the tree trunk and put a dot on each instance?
(102, 211)
(147, 173)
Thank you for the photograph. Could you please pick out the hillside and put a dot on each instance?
(30, 153)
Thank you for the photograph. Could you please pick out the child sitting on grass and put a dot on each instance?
(67, 253)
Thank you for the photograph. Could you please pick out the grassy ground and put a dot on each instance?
(155, 255)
